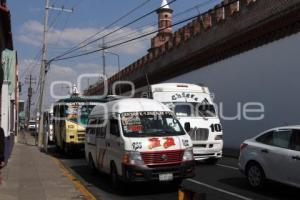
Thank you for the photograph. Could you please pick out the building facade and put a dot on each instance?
(8, 80)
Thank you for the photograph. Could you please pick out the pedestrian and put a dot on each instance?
(2, 149)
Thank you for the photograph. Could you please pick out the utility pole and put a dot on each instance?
(29, 96)
(42, 74)
(29, 81)
(44, 66)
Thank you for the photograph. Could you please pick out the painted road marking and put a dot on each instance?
(219, 189)
(88, 195)
(227, 166)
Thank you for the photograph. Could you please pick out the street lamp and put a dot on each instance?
(119, 67)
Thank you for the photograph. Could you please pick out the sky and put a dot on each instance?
(69, 29)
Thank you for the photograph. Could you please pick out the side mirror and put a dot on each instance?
(187, 126)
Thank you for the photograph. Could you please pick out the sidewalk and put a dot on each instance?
(32, 175)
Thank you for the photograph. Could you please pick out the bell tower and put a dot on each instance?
(165, 31)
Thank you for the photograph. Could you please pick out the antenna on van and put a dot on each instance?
(149, 87)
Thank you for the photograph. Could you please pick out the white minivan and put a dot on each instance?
(137, 140)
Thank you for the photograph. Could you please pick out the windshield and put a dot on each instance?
(150, 124)
(79, 114)
(190, 109)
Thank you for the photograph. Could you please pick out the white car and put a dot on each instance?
(32, 125)
(272, 155)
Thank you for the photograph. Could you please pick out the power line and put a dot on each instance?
(67, 21)
(114, 31)
(64, 27)
(54, 21)
(36, 59)
(36, 95)
(134, 33)
(134, 39)
(197, 6)
(124, 42)
(76, 47)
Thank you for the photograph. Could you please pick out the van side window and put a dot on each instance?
(101, 129)
(295, 143)
(62, 110)
(114, 127)
(91, 126)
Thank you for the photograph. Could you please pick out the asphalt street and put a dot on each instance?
(213, 182)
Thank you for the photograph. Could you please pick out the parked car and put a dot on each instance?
(274, 155)
(31, 125)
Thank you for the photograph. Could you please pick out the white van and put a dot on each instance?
(138, 140)
(194, 107)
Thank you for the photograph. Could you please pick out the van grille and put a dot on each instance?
(162, 157)
(199, 134)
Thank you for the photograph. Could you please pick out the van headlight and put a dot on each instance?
(133, 158)
(188, 154)
(219, 137)
(70, 126)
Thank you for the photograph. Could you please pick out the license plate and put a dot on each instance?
(165, 177)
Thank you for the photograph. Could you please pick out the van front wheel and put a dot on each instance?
(114, 177)
(91, 164)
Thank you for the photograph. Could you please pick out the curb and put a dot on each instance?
(78, 184)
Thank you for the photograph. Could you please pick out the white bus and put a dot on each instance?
(137, 140)
(194, 107)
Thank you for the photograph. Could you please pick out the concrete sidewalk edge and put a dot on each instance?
(72, 177)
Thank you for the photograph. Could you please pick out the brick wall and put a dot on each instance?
(230, 28)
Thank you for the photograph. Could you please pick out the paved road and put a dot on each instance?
(220, 182)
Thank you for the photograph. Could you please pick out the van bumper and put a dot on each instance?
(133, 173)
(73, 147)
